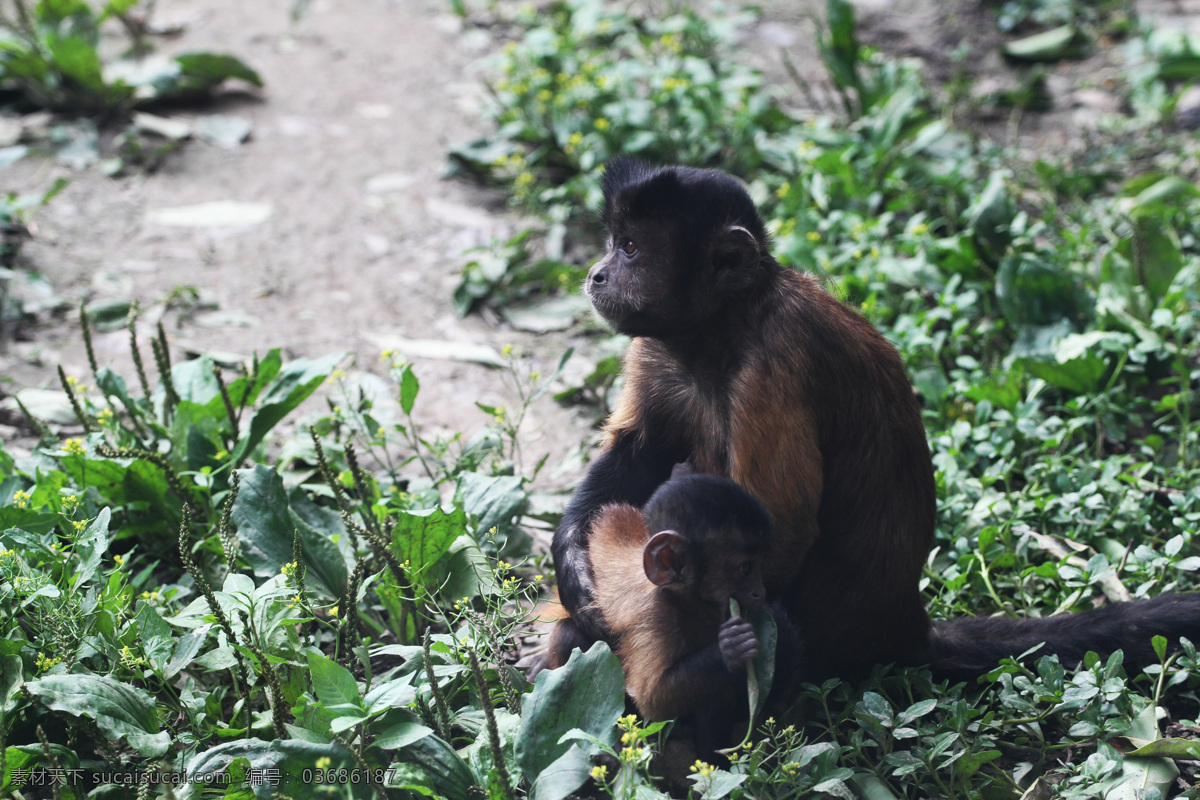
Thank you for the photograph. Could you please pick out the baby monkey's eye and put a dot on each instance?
(629, 248)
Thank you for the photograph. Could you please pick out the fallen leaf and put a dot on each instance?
(436, 349)
(223, 131)
(215, 214)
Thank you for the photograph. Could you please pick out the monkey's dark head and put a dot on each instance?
(683, 243)
(710, 541)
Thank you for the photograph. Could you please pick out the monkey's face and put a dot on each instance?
(634, 287)
(734, 569)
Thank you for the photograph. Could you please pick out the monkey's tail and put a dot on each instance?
(966, 648)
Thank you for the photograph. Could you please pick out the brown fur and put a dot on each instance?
(769, 433)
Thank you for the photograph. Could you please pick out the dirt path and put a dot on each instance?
(349, 138)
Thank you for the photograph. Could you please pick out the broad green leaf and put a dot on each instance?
(409, 386)
(91, 546)
(991, 214)
(1186, 749)
(154, 636)
(1142, 773)
(722, 785)
(265, 524)
(1052, 45)
(292, 757)
(445, 771)
(494, 501)
(588, 693)
(401, 734)
(424, 538)
(392, 694)
(186, 649)
(120, 710)
(203, 71)
(468, 571)
(291, 387)
(333, 683)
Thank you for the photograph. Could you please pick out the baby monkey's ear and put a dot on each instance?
(664, 558)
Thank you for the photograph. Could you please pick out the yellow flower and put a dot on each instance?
(783, 190)
(324, 762)
(602, 124)
(813, 236)
(874, 252)
(674, 83)
(575, 139)
(21, 498)
(333, 612)
(79, 524)
(702, 768)
(920, 228)
(671, 42)
(544, 95)
(599, 772)
(74, 447)
(524, 180)
(119, 560)
(105, 416)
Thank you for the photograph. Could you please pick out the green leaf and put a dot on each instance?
(1052, 45)
(468, 571)
(722, 784)
(292, 757)
(203, 71)
(990, 215)
(444, 770)
(291, 387)
(91, 546)
(409, 386)
(401, 734)
(154, 635)
(120, 710)
(424, 538)
(494, 501)
(186, 649)
(588, 693)
(333, 684)
(265, 523)
(1033, 291)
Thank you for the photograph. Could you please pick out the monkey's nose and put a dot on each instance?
(597, 275)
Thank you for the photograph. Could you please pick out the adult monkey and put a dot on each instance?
(745, 369)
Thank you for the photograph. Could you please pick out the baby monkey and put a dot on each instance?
(663, 578)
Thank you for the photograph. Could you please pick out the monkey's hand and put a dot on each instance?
(738, 644)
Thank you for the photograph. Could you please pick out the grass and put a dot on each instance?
(333, 613)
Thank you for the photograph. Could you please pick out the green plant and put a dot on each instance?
(48, 51)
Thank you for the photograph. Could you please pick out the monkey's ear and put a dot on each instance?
(663, 558)
(736, 257)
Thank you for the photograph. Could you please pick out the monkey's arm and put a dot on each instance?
(701, 679)
(627, 472)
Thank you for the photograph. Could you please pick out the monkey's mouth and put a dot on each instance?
(606, 307)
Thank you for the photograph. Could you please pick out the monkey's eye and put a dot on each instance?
(629, 248)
